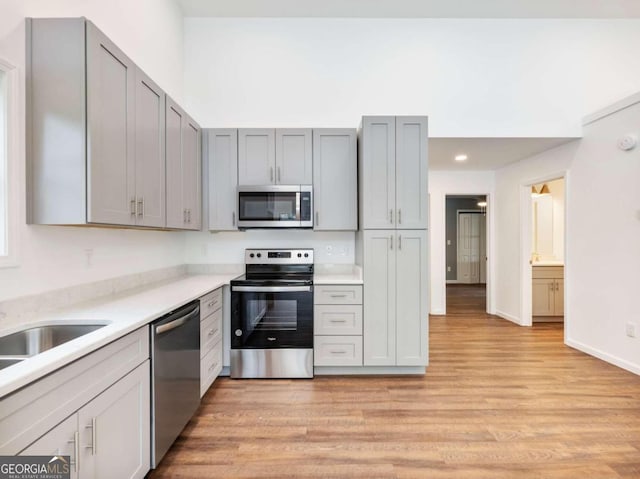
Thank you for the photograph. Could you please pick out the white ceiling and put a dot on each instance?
(413, 8)
(486, 153)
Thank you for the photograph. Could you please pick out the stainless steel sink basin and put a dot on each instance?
(29, 342)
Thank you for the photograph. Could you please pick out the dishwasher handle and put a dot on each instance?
(176, 323)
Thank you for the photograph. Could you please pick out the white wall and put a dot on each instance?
(603, 241)
(509, 220)
(150, 32)
(493, 78)
(442, 183)
(228, 248)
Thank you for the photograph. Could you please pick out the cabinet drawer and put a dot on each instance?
(210, 367)
(210, 303)
(338, 294)
(337, 319)
(210, 332)
(337, 351)
(542, 272)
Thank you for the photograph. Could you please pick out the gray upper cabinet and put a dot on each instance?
(96, 142)
(393, 172)
(222, 177)
(111, 109)
(183, 169)
(150, 188)
(335, 182)
(294, 156)
(274, 157)
(256, 156)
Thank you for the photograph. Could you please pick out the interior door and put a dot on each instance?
(468, 248)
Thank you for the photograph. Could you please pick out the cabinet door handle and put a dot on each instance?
(551, 287)
(338, 351)
(184, 215)
(233, 218)
(92, 446)
(399, 217)
(391, 216)
(76, 450)
(557, 286)
(132, 206)
(399, 242)
(279, 175)
(141, 207)
(317, 219)
(391, 242)
(188, 215)
(271, 174)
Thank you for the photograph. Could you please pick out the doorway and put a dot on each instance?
(466, 253)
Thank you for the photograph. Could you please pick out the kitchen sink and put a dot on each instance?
(29, 342)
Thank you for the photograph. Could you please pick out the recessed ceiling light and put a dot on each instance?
(461, 157)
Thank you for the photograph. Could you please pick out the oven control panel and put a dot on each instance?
(278, 256)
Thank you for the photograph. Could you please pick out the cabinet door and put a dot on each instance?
(294, 157)
(256, 156)
(222, 160)
(191, 189)
(150, 158)
(558, 298)
(335, 179)
(543, 297)
(115, 430)
(175, 124)
(411, 172)
(411, 298)
(62, 440)
(378, 172)
(111, 89)
(379, 322)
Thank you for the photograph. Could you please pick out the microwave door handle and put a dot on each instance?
(298, 217)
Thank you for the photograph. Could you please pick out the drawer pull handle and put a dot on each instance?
(213, 331)
(338, 320)
(338, 351)
(213, 303)
(338, 295)
(213, 366)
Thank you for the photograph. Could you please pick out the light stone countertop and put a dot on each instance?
(548, 263)
(124, 313)
(337, 274)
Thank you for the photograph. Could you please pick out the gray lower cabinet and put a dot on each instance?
(183, 153)
(109, 436)
(395, 327)
(221, 154)
(268, 156)
(393, 172)
(335, 179)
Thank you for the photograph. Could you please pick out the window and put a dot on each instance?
(4, 185)
(8, 182)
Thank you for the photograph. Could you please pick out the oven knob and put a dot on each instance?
(238, 332)
(251, 255)
(299, 255)
(259, 255)
(306, 255)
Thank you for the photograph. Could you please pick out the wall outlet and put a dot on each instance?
(631, 329)
(448, 242)
(448, 269)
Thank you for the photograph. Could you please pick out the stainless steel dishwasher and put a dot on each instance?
(175, 376)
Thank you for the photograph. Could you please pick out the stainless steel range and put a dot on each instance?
(272, 315)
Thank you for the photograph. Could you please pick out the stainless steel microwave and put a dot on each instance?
(275, 206)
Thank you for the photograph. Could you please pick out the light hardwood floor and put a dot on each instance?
(498, 401)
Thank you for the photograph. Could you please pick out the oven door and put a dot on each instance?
(267, 317)
(276, 206)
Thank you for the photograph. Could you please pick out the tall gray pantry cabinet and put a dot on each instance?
(392, 243)
(96, 138)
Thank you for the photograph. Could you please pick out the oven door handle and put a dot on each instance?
(270, 289)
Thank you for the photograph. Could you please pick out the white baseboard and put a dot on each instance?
(368, 370)
(509, 317)
(452, 281)
(616, 361)
(437, 312)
